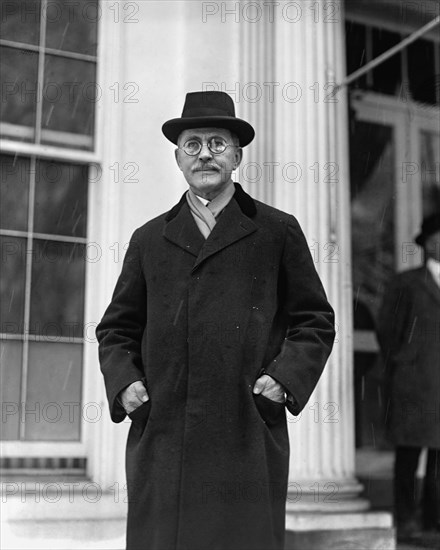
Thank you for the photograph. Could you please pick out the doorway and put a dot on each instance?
(395, 183)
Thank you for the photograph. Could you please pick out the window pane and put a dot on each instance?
(18, 74)
(72, 26)
(20, 21)
(356, 51)
(430, 164)
(421, 71)
(14, 192)
(10, 372)
(12, 289)
(61, 199)
(57, 294)
(372, 176)
(69, 96)
(53, 400)
(387, 76)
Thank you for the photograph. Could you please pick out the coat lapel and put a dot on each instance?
(182, 230)
(232, 225)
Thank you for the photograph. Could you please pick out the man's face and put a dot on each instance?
(432, 246)
(207, 173)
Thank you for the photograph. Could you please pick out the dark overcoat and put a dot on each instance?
(409, 334)
(207, 461)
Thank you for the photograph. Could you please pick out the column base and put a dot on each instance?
(340, 531)
(326, 495)
(328, 514)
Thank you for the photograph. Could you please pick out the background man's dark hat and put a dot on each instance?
(430, 225)
(209, 110)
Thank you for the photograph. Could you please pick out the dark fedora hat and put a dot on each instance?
(209, 110)
(430, 225)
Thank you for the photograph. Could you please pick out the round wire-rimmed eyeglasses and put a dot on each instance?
(192, 147)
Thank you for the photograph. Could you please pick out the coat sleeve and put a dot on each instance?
(310, 322)
(120, 331)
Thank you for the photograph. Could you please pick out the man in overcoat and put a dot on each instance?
(409, 334)
(218, 322)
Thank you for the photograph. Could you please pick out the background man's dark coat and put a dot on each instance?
(409, 333)
(207, 461)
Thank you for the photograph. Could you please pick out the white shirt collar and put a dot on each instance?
(201, 199)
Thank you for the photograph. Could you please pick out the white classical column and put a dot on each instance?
(302, 136)
(311, 129)
(105, 441)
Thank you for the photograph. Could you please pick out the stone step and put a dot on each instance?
(65, 513)
(340, 531)
(51, 499)
(63, 534)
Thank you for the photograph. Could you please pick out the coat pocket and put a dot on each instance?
(141, 413)
(270, 411)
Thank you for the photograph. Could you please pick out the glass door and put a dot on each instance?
(395, 182)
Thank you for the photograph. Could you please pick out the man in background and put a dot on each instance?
(409, 334)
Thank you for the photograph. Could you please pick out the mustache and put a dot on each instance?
(201, 168)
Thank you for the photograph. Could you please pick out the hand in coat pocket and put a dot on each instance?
(141, 413)
(270, 411)
(270, 388)
(133, 396)
(270, 398)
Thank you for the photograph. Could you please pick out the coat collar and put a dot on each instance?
(429, 284)
(245, 202)
(233, 224)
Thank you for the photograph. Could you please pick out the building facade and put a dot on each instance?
(86, 87)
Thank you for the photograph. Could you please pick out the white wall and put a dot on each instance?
(170, 51)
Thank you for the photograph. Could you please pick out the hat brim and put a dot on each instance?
(174, 127)
(420, 239)
(430, 225)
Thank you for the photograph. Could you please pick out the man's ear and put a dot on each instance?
(238, 156)
(176, 155)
